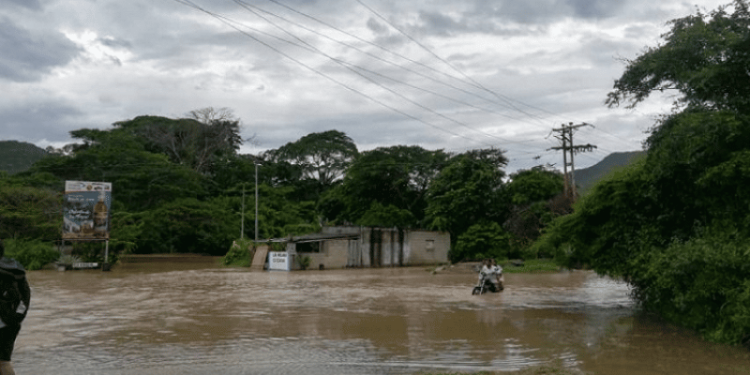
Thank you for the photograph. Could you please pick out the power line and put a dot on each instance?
(352, 67)
(230, 22)
(471, 80)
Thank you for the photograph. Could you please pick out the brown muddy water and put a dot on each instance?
(196, 318)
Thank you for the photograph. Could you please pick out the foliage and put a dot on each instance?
(395, 176)
(701, 284)
(240, 253)
(322, 156)
(196, 143)
(467, 191)
(187, 226)
(482, 240)
(391, 216)
(674, 224)
(532, 266)
(303, 261)
(534, 185)
(536, 198)
(28, 212)
(704, 57)
(32, 254)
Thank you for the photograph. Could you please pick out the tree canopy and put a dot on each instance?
(675, 223)
(322, 156)
(705, 57)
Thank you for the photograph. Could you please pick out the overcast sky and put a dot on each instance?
(442, 74)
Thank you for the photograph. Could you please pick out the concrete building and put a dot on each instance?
(340, 247)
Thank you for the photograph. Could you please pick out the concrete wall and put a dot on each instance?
(377, 247)
(389, 247)
(428, 247)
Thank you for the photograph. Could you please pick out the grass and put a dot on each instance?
(531, 266)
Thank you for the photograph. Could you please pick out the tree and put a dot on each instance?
(28, 212)
(322, 156)
(467, 191)
(188, 142)
(534, 196)
(395, 176)
(673, 224)
(704, 57)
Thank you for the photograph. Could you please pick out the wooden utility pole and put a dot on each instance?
(569, 148)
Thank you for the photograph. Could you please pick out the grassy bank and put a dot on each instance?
(531, 266)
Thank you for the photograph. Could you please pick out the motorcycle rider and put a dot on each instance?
(498, 272)
(491, 271)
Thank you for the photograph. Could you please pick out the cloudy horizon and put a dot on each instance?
(435, 73)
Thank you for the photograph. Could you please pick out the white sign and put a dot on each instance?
(278, 261)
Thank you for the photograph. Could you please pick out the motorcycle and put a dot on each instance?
(485, 285)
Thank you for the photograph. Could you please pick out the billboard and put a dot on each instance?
(86, 210)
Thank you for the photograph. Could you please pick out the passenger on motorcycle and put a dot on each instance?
(493, 275)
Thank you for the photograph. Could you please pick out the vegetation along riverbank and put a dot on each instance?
(674, 224)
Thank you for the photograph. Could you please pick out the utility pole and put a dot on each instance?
(242, 228)
(256, 201)
(568, 147)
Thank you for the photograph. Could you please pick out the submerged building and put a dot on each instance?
(341, 247)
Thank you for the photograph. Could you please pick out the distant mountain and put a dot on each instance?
(586, 178)
(18, 156)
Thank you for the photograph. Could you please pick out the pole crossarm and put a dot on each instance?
(569, 150)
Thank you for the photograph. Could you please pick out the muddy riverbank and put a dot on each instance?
(196, 318)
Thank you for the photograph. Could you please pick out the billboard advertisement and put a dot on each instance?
(86, 210)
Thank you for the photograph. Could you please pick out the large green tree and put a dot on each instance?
(322, 156)
(675, 224)
(468, 191)
(196, 144)
(386, 179)
(704, 58)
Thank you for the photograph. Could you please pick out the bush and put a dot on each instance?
(701, 284)
(33, 255)
(483, 240)
(240, 253)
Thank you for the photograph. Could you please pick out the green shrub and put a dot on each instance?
(703, 284)
(33, 255)
(240, 253)
(483, 240)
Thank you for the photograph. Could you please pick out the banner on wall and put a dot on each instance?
(86, 210)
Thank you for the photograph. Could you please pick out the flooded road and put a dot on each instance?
(197, 318)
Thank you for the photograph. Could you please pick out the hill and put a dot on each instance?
(587, 177)
(18, 156)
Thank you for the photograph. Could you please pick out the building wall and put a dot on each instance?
(428, 247)
(387, 247)
(378, 247)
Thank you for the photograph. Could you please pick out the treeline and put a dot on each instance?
(180, 186)
(676, 225)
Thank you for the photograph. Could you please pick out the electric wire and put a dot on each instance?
(474, 83)
(396, 54)
(348, 45)
(229, 23)
(352, 68)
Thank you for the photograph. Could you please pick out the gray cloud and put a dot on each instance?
(28, 56)
(30, 4)
(35, 121)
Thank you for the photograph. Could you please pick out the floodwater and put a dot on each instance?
(197, 318)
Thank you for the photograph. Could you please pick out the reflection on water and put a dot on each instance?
(196, 318)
